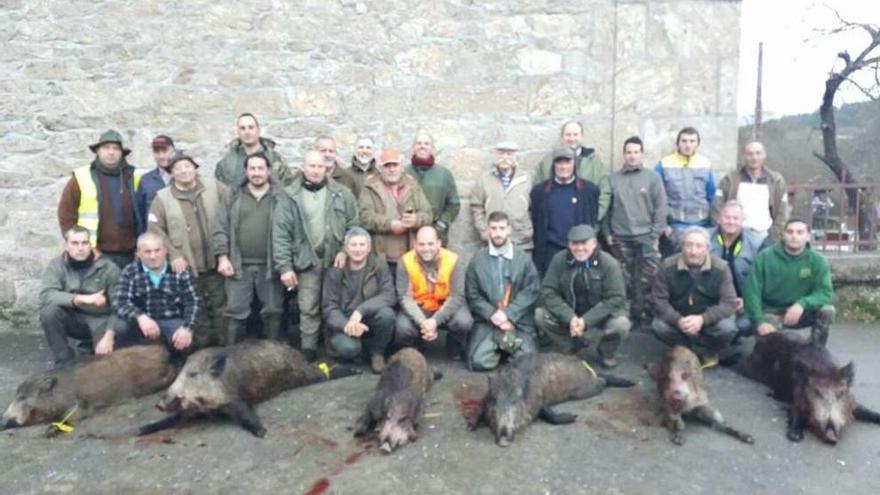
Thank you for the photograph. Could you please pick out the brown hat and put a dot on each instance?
(390, 155)
(162, 142)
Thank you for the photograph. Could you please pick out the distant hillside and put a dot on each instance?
(791, 141)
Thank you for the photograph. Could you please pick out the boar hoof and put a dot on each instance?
(794, 435)
(677, 438)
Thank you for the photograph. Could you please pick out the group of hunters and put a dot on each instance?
(571, 251)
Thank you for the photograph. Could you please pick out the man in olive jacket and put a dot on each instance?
(243, 246)
(307, 237)
(230, 168)
(436, 182)
(75, 294)
(502, 287)
(584, 289)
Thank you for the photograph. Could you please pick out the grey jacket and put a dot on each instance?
(638, 205)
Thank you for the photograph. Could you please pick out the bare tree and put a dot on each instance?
(867, 59)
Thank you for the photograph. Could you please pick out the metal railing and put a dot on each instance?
(844, 217)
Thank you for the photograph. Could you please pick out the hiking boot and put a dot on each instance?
(607, 362)
(377, 363)
(311, 355)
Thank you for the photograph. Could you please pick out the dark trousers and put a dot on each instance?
(712, 338)
(640, 259)
(253, 283)
(132, 335)
(375, 341)
(119, 259)
(59, 324)
(407, 333)
(210, 329)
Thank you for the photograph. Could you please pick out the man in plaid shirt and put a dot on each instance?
(155, 301)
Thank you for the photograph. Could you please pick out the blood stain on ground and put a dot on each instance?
(319, 487)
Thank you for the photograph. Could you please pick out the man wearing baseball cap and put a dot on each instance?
(158, 178)
(584, 290)
(100, 197)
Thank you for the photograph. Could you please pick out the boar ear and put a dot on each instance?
(218, 364)
(848, 372)
(48, 384)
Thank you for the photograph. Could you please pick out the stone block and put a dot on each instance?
(316, 100)
(538, 62)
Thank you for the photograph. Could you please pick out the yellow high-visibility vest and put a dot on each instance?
(87, 211)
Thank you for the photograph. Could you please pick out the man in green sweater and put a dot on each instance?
(582, 290)
(789, 286)
(436, 182)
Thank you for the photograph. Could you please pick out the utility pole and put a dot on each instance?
(756, 128)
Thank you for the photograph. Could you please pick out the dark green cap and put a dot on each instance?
(581, 233)
(563, 153)
(178, 156)
(110, 136)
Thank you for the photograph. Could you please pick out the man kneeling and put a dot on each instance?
(357, 303)
(584, 289)
(430, 287)
(694, 298)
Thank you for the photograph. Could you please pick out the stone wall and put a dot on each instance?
(473, 72)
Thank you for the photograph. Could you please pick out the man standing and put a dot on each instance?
(357, 302)
(230, 168)
(242, 244)
(152, 181)
(75, 299)
(690, 187)
(326, 146)
(392, 208)
(307, 235)
(789, 286)
(363, 162)
(694, 299)
(738, 247)
(760, 191)
(436, 182)
(634, 223)
(502, 287)
(583, 290)
(558, 204)
(184, 214)
(155, 302)
(506, 187)
(587, 163)
(100, 197)
(430, 288)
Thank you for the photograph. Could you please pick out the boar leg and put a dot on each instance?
(675, 423)
(365, 423)
(862, 413)
(713, 418)
(163, 424)
(796, 425)
(556, 418)
(245, 415)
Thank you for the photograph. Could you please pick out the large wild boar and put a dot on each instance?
(805, 375)
(230, 380)
(679, 379)
(396, 406)
(526, 389)
(83, 388)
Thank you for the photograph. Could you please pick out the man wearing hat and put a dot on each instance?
(587, 164)
(584, 290)
(184, 214)
(505, 187)
(558, 204)
(230, 168)
(158, 178)
(392, 208)
(101, 198)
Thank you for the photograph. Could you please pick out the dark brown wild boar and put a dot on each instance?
(806, 376)
(679, 379)
(83, 388)
(396, 407)
(526, 389)
(230, 380)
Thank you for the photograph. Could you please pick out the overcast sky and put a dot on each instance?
(797, 57)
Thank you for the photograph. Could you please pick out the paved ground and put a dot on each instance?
(617, 445)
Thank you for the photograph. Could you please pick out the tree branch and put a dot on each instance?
(871, 95)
